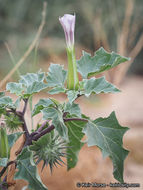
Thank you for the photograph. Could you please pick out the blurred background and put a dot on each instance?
(117, 25)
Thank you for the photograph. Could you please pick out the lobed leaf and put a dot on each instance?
(28, 84)
(30, 78)
(75, 135)
(56, 90)
(101, 61)
(56, 76)
(43, 103)
(72, 95)
(12, 138)
(15, 88)
(107, 134)
(98, 85)
(33, 82)
(35, 87)
(17, 102)
(57, 120)
(72, 109)
(6, 101)
(27, 170)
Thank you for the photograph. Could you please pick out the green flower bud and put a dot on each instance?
(4, 146)
(68, 24)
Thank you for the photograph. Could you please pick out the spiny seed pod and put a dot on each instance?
(12, 122)
(50, 149)
(4, 146)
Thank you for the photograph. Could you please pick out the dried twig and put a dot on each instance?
(122, 40)
(31, 47)
(135, 51)
(11, 56)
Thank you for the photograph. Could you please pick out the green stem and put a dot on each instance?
(72, 81)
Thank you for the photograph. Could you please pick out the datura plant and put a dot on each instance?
(59, 137)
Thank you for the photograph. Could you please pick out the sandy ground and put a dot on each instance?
(91, 166)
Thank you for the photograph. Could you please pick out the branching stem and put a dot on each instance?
(75, 119)
(5, 168)
(45, 131)
(25, 106)
(21, 116)
(51, 127)
(42, 126)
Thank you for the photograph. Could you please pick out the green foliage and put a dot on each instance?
(56, 79)
(14, 88)
(75, 135)
(99, 85)
(107, 134)
(56, 76)
(3, 162)
(17, 102)
(2, 94)
(72, 109)
(101, 61)
(49, 148)
(57, 90)
(12, 138)
(27, 170)
(43, 103)
(72, 95)
(2, 111)
(28, 85)
(65, 126)
(6, 102)
(56, 115)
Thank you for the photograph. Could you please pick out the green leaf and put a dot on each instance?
(33, 83)
(101, 61)
(3, 161)
(6, 101)
(55, 102)
(56, 76)
(17, 102)
(15, 88)
(42, 142)
(57, 90)
(27, 170)
(72, 109)
(72, 95)
(2, 111)
(57, 120)
(75, 135)
(43, 103)
(107, 134)
(30, 78)
(28, 84)
(12, 138)
(2, 94)
(98, 85)
(35, 87)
